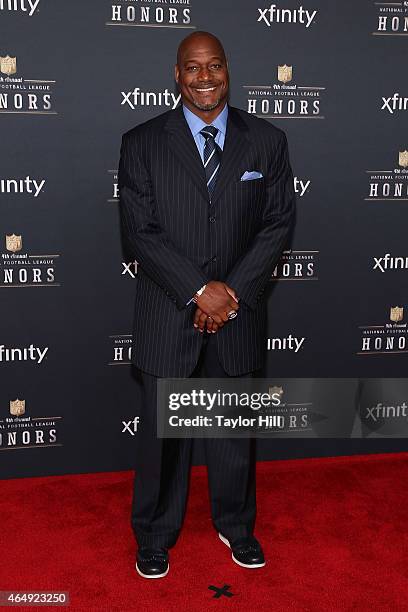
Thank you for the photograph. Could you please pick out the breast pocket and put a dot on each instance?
(251, 188)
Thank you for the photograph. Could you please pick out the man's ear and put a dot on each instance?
(176, 73)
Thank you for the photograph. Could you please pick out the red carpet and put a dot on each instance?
(334, 533)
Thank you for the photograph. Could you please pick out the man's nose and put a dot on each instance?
(204, 74)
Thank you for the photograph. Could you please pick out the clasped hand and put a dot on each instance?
(213, 306)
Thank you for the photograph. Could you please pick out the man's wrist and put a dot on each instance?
(198, 293)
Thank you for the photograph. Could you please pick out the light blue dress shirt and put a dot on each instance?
(196, 125)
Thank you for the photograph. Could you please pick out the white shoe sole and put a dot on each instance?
(252, 566)
(154, 575)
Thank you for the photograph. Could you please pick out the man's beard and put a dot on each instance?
(207, 107)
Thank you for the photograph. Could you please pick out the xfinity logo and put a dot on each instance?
(390, 263)
(273, 14)
(26, 185)
(137, 97)
(19, 5)
(394, 103)
(130, 268)
(300, 186)
(282, 344)
(130, 426)
(31, 353)
(385, 412)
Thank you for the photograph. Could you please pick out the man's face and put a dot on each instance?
(202, 74)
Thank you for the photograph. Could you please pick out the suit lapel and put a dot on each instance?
(185, 149)
(236, 146)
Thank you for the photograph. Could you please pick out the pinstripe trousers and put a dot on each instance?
(163, 468)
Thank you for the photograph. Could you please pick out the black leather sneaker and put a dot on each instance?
(152, 562)
(246, 552)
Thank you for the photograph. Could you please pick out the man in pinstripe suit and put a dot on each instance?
(207, 203)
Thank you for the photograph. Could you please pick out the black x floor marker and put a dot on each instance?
(219, 591)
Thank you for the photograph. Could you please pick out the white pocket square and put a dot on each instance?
(250, 176)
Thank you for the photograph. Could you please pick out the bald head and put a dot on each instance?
(198, 38)
(201, 72)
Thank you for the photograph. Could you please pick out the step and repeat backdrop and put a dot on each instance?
(75, 75)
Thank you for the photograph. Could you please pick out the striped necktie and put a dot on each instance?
(212, 156)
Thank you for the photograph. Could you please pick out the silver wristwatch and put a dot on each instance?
(198, 293)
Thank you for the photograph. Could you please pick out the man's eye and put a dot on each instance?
(217, 66)
(190, 68)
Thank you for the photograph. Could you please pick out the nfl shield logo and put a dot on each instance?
(284, 73)
(397, 314)
(17, 407)
(403, 159)
(14, 243)
(275, 390)
(8, 65)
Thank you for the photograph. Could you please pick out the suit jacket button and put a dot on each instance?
(212, 219)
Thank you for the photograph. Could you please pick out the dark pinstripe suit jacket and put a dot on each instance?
(181, 241)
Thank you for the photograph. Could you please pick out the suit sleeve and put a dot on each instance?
(253, 269)
(144, 238)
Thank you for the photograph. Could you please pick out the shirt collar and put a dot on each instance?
(196, 124)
